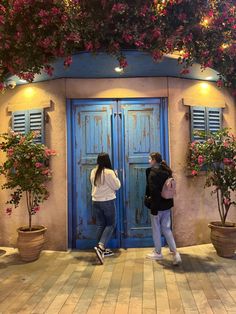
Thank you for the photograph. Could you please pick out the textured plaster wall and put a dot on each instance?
(53, 213)
(194, 206)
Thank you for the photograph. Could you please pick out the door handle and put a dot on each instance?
(118, 114)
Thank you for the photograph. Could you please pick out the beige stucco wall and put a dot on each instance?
(53, 213)
(194, 206)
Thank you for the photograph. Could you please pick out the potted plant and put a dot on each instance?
(216, 155)
(26, 171)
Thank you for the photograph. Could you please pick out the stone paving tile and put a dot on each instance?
(74, 282)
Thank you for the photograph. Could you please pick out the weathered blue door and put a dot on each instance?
(140, 135)
(128, 130)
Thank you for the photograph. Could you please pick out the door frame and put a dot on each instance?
(71, 180)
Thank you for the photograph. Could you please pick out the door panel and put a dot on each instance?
(92, 136)
(141, 129)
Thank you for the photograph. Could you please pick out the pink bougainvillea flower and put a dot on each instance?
(194, 172)
(2, 87)
(89, 46)
(157, 55)
(49, 70)
(184, 71)
(38, 165)
(200, 160)
(156, 33)
(10, 152)
(67, 61)
(119, 8)
(49, 152)
(22, 140)
(36, 209)
(227, 161)
(46, 172)
(9, 211)
(127, 37)
(220, 83)
(226, 201)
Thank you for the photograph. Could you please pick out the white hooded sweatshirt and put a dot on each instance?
(104, 191)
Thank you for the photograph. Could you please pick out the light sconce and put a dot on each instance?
(119, 69)
(11, 84)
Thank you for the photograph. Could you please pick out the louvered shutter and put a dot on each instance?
(214, 119)
(198, 122)
(36, 123)
(29, 120)
(19, 121)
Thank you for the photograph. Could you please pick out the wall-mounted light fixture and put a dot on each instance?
(11, 84)
(119, 69)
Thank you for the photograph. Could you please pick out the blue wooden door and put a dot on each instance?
(140, 135)
(128, 130)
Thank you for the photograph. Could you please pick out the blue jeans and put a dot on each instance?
(105, 213)
(161, 225)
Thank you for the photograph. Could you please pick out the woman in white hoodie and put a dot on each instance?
(104, 184)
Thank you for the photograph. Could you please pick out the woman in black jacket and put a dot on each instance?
(160, 207)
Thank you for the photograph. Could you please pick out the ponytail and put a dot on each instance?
(166, 167)
(158, 158)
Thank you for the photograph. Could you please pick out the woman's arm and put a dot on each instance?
(112, 180)
(154, 185)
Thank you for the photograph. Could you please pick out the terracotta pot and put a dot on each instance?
(223, 238)
(30, 243)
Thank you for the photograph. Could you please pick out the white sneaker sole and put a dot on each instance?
(99, 255)
(155, 258)
(108, 255)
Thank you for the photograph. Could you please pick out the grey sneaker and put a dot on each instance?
(154, 255)
(108, 252)
(100, 254)
(177, 259)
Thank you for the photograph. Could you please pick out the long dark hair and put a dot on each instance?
(158, 159)
(103, 161)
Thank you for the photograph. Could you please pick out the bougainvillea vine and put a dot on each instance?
(34, 33)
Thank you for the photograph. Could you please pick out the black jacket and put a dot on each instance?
(156, 178)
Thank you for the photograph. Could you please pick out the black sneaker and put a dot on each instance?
(108, 252)
(100, 254)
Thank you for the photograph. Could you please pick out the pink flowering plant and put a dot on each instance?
(217, 156)
(26, 171)
(34, 33)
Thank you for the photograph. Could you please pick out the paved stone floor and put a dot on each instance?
(73, 282)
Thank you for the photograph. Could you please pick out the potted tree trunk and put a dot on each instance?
(217, 156)
(26, 171)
